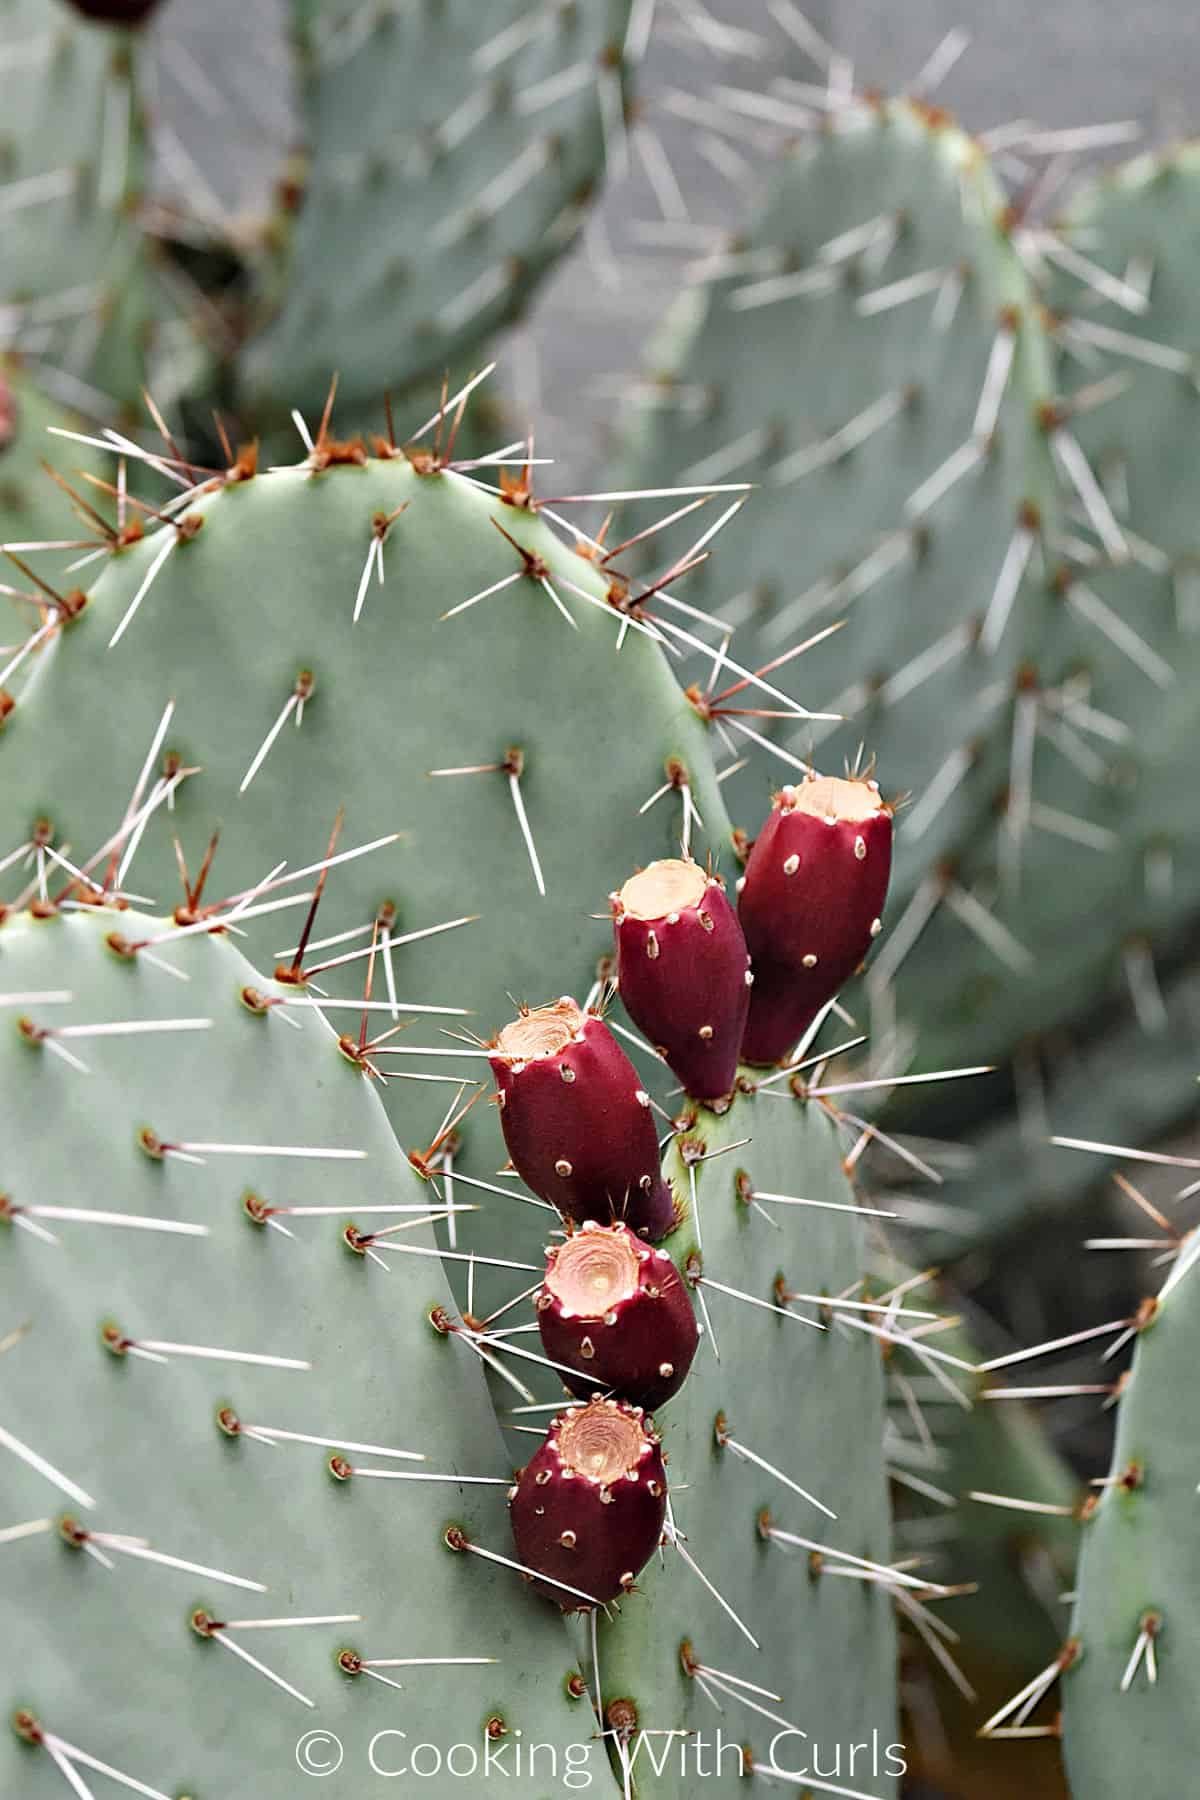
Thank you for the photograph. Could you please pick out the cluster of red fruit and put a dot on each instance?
(712, 987)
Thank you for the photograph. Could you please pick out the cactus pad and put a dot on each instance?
(268, 594)
(764, 1387)
(1126, 1718)
(451, 151)
(89, 289)
(873, 359)
(143, 1399)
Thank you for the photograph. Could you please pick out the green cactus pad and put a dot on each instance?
(88, 288)
(844, 346)
(1077, 754)
(105, 1658)
(32, 509)
(265, 592)
(1125, 637)
(1131, 1724)
(810, 1403)
(451, 151)
(1114, 766)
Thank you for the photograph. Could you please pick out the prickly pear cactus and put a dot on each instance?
(1056, 663)
(450, 155)
(513, 837)
(88, 288)
(1126, 1696)
(575, 1125)
(718, 1596)
(86, 994)
(300, 683)
(1117, 1676)
(1122, 640)
(1109, 768)
(791, 1666)
(873, 360)
(217, 1412)
(1138, 332)
(1144, 887)
(32, 510)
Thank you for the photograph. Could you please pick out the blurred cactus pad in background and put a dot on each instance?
(599, 1011)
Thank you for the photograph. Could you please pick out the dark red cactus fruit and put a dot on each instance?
(616, 1311)
(810, 903)
(9, 415)
(588, 1510)
(577, 1120)
(684, 972)
(116, 12)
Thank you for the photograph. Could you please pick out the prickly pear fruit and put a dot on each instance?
(116, 12)
(588, 1509)
(617, 1311)
(810, 903)
(577, 1120)
(684, 972)
(9, 414)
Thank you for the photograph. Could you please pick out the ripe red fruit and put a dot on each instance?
(9, 414)
(683, 972)
(810, 903)
(116, 12)
(577, 1120)
(587, 1511)
(616, 1311)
